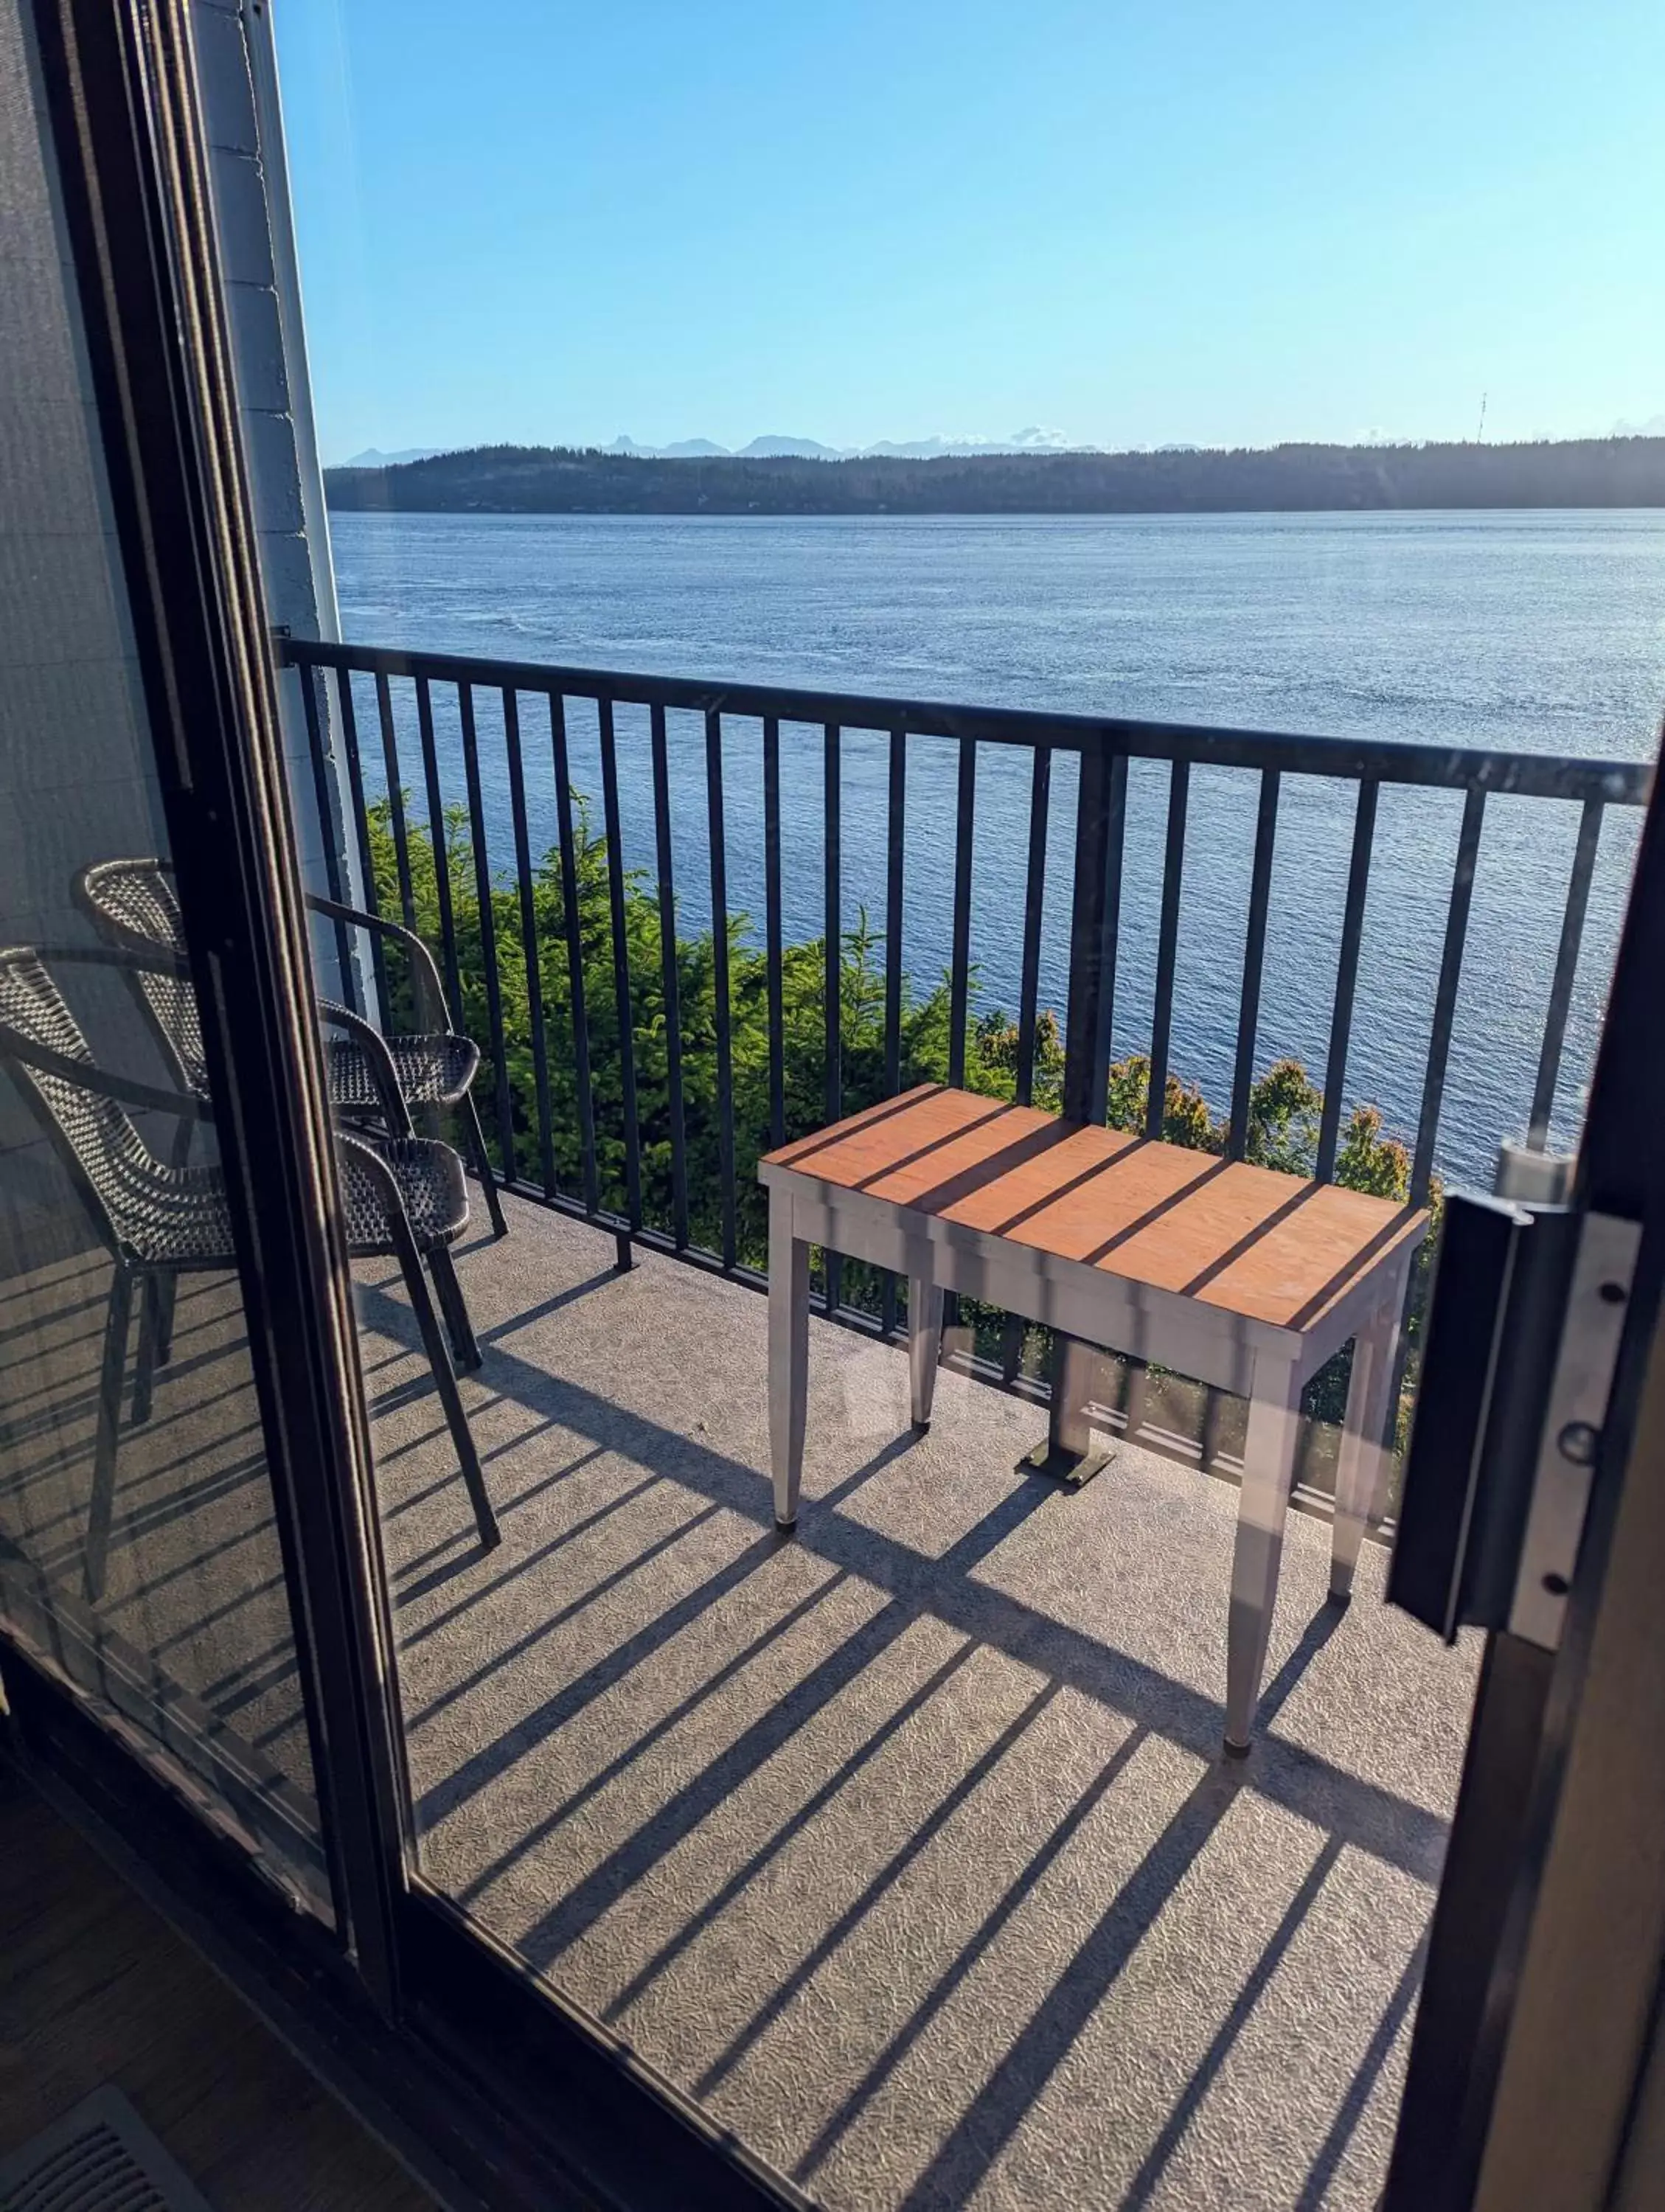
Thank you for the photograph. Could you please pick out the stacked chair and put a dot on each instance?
(403, 1195)
(134, 906)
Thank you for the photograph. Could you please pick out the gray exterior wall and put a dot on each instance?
(237, 70)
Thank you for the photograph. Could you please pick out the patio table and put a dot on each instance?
(1234, 1274)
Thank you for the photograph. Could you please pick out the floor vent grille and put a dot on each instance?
(99, 2158)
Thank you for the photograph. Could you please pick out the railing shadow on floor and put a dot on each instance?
(1362, 1812)
(1348, 1809)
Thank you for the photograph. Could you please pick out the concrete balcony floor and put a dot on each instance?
(904, 1845)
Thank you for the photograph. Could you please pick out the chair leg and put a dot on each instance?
(438, 1358)
(167, 1290)
(151, 1326)
(483, 1167)
(457, 1326)
(109, 1423)
(167, 1285)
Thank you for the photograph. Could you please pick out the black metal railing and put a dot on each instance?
(1103, 747)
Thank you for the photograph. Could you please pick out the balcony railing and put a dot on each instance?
(489, 744)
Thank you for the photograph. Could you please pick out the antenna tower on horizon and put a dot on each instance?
(1479, 436)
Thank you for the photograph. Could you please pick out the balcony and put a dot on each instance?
(903, 1848)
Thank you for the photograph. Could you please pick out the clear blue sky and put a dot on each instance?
(1226, 224)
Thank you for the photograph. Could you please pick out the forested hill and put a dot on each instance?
(559, 480)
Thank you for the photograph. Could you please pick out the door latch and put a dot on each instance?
(1522, 1339)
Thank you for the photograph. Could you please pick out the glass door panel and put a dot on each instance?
(140, 1561)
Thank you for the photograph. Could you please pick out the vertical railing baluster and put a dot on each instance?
(1101, 817)
(1248, 1022)
(772, 926)
(540, 1057)
(626, 1046)
(361, 828)
(390, 754)
(328, 827)
(896, 834)
(1566, 970)
(1035, 892)
(437, 840)
(670, 979)
(1249, 1009)
(833, 948)
(1445, 997)
(1162, 1017)
(574, 935)
(1100, 813)
(1433, 1090)
(482, 890)
(1346, 977)
(895, 842)
(959, 974)
(1029, 993)
(713, 792)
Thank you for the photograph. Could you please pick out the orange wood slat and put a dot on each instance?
(1270, 1247)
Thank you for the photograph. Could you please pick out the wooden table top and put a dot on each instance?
(1272, 1247)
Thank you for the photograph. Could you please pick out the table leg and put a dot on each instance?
(788, 1355)
(924, 1344)
(1073, 1363)
(1274, 1413)
(1365, 1462)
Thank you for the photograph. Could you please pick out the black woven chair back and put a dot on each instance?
(134, 904)
(123, 1183)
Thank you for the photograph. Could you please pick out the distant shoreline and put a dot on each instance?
(1586, 472)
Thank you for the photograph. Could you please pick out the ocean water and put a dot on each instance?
(1534, 632)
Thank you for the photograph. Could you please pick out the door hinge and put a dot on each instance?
(1522, 1340)
(1570, 1440)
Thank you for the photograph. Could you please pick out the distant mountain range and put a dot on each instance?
(775, 448)
(374, 458)
(1598, 472)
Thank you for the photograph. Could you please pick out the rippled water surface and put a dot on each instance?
(1525, 632)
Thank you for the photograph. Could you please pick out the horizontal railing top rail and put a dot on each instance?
(1527, 775)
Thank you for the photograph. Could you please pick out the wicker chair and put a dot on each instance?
(134, 905)
(403, 1196)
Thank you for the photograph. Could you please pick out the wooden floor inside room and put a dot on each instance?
(97, 1989)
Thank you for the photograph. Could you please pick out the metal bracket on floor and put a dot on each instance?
(1070, 1453)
